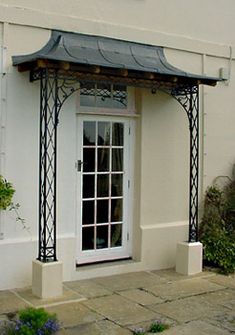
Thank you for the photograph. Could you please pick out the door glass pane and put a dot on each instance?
(116, 235)
(116, 210)
(88, 238)
(117, 137)
(102, 215)
(102, 177)
(103, 133)
(89, 133)
(117, 185)
(103, 160)
(102, 185)
(88, 186)
(117, 159)
(88, 159)
(88, 212)
(102, 237)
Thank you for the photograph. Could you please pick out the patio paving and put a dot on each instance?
(117, 305)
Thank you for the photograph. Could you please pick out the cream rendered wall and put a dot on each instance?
(22, 127)
(193, 43)
(194, 20)
(164, 178)
(20, 101)
(164, 160)
(2, 120)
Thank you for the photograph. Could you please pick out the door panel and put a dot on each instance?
(103, 220)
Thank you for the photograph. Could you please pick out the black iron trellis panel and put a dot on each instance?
(188, 97)
(55, 89)
(53, 92)
(47, 168)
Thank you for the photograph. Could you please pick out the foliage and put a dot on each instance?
(15, 208)
(34, 321)
(230, 208)
(155, 327)
(217, 228)
(158, 327)
(6, 193)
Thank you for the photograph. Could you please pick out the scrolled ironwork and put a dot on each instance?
(188, 97)
(54, 92)
(55, 88)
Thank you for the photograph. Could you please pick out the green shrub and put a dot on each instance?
(158, 327)
(217, 228)
(6, 193)
(34, 321)
(229, 194)
(155, 327)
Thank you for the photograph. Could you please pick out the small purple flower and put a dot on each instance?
(18, 325)
(139, 331)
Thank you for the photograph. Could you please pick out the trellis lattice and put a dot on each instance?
(54, 91)
(105, 91)
(188, 97)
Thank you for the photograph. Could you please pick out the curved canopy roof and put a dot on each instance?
(107, 53)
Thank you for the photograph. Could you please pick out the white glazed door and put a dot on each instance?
(103, 173)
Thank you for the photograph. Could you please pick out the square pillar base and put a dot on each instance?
(47, 279)
(189, 258)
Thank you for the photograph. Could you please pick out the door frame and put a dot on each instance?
(100, 255)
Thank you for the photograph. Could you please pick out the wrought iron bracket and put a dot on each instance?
(188, 97)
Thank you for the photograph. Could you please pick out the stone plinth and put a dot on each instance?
(47, 279)
(189, 258)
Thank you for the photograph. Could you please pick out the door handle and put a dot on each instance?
(78, 165)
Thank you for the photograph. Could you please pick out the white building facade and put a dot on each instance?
(123, 154)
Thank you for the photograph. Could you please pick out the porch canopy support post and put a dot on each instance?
(188, 97)
(47, 167)
(47, 271)
(189, 254)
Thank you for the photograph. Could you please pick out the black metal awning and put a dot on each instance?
(106, 56)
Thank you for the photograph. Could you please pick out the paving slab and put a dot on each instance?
(183, 288)
(226, 281)
(74, 313)
(224, 297)
(97, 328)
(202, 304)
(68, 295)
(172, 275)
(141, 297)
(188, 309)
(120, 310)
(128, 281)
(196, 328)
(225, 320)
(9, 302)
(230, 305)
(88, 288)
